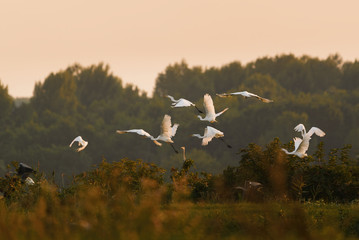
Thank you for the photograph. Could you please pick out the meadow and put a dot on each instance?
(130, 200)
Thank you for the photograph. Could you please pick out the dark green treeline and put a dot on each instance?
(92, 102)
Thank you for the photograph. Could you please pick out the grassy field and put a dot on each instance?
(90, 213)
(130, 200)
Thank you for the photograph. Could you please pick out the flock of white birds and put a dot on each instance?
(168, 131)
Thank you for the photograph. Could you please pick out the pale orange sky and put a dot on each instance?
(139, 38)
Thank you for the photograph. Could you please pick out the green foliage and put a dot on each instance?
(95, 83)
(333, 179)
(201, 186)
(107, 202)
(132, 200)
(179, 79)
(56, 94)
(92, 102)
(6, 102)
(350, 75)
(125, 173)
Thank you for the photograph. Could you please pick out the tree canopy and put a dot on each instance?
(92, 102)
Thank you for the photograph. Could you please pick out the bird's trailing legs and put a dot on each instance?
(198, 109)
(174, 148)
(229, 146)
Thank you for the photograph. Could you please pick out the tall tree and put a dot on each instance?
(179, 80)
(350, 79)
(96, 83)
(56, 94)
(6, 102)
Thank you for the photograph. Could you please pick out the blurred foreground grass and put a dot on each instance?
(93, 217)
(129, 200)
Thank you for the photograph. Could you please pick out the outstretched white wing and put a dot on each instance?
(81, 142)
(138, 131)
(217, 114)
(77, 139)
(206, 137)
(180, 102)
(223, 94)
(246, 95)
(300, 128)
(209, 134)
(183, 103)
(297, 142)
(317, 131)
(211, 131)
(166, 129)
(174, 129)
(208, 105)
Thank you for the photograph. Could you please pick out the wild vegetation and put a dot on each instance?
(125, 187)
(130, 200)
(93, 103)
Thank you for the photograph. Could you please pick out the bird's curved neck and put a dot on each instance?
(304, 132)
(197, 135)
(200, 117)
(155, 139)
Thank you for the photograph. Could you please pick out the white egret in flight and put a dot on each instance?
(140, 132)
(300, 128)
(81, 143)
(245, 94)
(209, 134)
(167, 132)
(209, 108)
(182, 103)
(301, 145)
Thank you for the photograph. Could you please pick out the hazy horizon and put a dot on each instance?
(139, 39)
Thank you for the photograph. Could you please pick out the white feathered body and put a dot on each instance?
(180, 102)
(209, 134)
(209, 109)
(301, 145)
(245, 94)
(167, 131)
(140, 132)
(82, 143)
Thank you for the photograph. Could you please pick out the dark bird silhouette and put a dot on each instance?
(24, 172)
